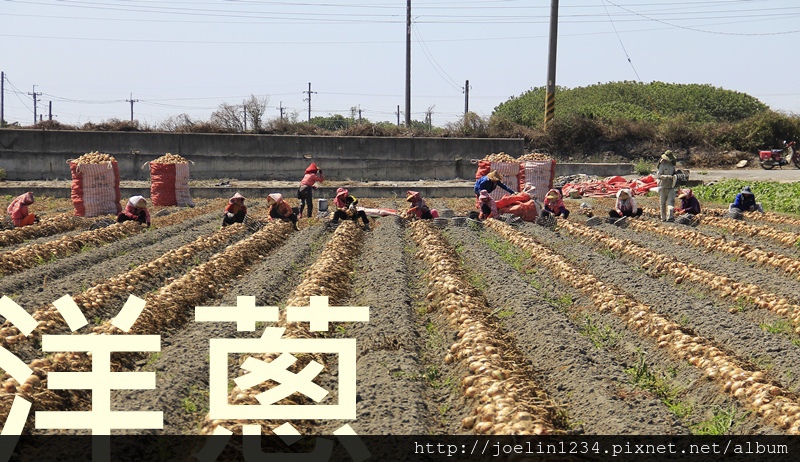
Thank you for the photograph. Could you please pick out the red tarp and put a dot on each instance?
(608, 187)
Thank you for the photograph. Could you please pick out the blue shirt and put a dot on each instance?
(485, 183)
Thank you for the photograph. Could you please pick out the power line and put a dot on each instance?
(621, 44)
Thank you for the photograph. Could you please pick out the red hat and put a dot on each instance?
(312, 168)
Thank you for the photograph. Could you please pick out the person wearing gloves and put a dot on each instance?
(488, 206)
(490, 182)
(746, 201)
(554, 205)
(625, 206)
(308, 184)
(279, 209)
(235, 211)
(419, 209)
(135, 210)
(18, 209)
(665, 176)
(689, 203)
(346, 208)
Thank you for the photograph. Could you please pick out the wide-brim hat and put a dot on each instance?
(746, 190)
(495, 176)
(236, 197)
(668, 156)
(141, 203)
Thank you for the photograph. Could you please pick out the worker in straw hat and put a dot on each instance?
(346, 208)
(308, 184)
(625, 206)
(490, 182)
(18, 209)
(666, 179)
(135, 210)
(554, 205)
(419, 209)
(281, 210)
(746, 201)
(235, 211)
(689, 203)
(488, 206)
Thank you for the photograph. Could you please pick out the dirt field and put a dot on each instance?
(488, 329)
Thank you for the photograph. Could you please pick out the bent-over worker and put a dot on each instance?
(625, 205)
(135, 210)
(235, 211)
(346, 208)
(281, 210)
(18, 209)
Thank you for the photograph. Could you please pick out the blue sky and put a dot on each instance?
(88, 57)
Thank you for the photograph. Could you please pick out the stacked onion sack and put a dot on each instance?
(169, 181)
(95, 185)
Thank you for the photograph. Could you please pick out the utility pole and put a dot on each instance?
(359, 113)
(34, 103)
(50, 110)
(466, 97)
(2, 99)
(280, 108)
(398, 115)
(550, 96)
(408, 64)
(244, 110)
(132, 101)
(429, 117)
(309, 100)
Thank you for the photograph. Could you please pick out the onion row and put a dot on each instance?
(328, 276)
(32, 255)
(168, 308)
(662, 264)
(768, 398)
(50, 320)
(508, 401)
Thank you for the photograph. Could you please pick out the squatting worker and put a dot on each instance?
(235, 211)
(689, 203)
(135, 210)
(746, 201)
(18, 209)
(665, 175)
(281, 210)
(346, 208)
(419, 209)
(489, 182)
(308, 184)
(488, 206)
(625, 206)
(554, 205)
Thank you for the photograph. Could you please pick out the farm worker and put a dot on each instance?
(18, 209)
(689, 203)
(235, 211)
(136, 210)
(419, 209)
(281, 210)
(489, 182)
(554, 205)
(488, 206)
(308, 184)
(746, 201)
(346, 208)
(625, 206)
(665, 176)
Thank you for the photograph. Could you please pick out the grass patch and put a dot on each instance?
(608, 253)
(721, 422)
(777, 327)
(644, 378)
(643, 167)
(599, 336)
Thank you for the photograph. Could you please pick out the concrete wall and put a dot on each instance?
(42, 155)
